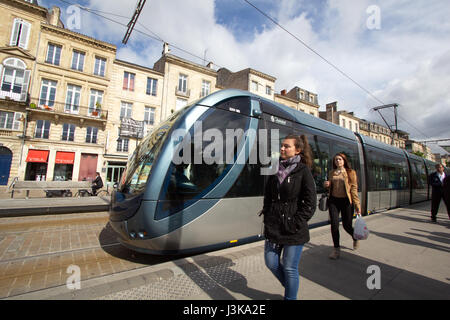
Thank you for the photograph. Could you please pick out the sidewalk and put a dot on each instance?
(37, 206)
(405, 257)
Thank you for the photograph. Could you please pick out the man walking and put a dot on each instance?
(437, 182)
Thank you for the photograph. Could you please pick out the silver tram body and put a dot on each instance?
(162, 207)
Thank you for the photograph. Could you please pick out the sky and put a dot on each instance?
(386, 51)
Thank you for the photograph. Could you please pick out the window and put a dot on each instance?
(95, 100)
(125, 110)
(350, 125)
(20, 33)
(78, 60)
(48, 93)
(42, 129)
(149, 116)
(68, 132)
(152, 85)
(186, 183)
(180, 104)
(73, 99)
(53, 54)
(343, 123)
(206, 88)
(15, 80)
(255, 86)
(99, 66)
(122, 145)
(182, 83)
(10, 120)
(91, 134)
(268, 90)
(128, 81)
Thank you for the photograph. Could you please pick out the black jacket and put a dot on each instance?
(97, 183)
(435, 181)
(289, 206)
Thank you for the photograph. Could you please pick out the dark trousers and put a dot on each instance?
(343, 206)
(436, 196)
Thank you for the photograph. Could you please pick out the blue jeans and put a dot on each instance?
(284, 268)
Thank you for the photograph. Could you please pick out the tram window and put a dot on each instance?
(386, 171)
(351, 152)
(139, 167)
(320, 148)
(187, 182)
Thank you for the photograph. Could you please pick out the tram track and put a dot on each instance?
(35, 252)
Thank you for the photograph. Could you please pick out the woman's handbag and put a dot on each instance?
(323, 202)
(360, 231)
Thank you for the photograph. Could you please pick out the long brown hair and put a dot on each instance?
(347, 165)
(301, 142)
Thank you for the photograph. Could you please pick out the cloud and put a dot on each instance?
(405, 61)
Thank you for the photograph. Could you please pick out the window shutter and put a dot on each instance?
(16, 123)
(26, 82)
(15, 32)
(24, 35)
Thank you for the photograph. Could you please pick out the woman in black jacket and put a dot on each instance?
(289, 202)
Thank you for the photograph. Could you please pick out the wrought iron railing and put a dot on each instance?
(68, 109)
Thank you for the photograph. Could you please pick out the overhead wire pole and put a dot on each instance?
(392, 105)
(133, 20)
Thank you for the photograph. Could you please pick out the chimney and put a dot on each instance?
(210, 65)
(54, 16)
(283, 92)
(166, 48)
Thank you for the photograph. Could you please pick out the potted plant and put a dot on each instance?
(98, 109)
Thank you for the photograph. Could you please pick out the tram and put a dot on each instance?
(196, 182)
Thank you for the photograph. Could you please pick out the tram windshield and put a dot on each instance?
(139, 167)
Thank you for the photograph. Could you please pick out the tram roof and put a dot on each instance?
(380, 145)
(280, 110)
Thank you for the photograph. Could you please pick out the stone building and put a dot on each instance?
(342, 118)
(184, 82)
(299, 99)
(135, 108)
(247, 79)
(20, 25)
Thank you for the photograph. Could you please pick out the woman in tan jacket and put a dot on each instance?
(343, 193)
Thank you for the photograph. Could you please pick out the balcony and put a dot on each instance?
(186, 93)
(68, 110)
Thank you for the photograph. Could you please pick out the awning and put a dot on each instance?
(37, 156)
(64, 157)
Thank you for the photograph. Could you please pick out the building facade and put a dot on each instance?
(20, 24)
(299, 99)
(134, 109)
(342, 118)
(184, 82)
(249, 80)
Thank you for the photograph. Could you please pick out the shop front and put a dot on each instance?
(37, 162)
(64, 162)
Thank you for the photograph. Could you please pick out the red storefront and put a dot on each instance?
(37, 161)
(64, 162)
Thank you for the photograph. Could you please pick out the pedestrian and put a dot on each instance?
(446, 193)
(289, 202)
(436, 180)
(97, 183)
(343, 197)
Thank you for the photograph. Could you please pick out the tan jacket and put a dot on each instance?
(351, 187)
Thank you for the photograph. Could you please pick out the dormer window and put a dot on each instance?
(20, 33)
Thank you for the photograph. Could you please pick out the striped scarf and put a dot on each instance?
(285, 167)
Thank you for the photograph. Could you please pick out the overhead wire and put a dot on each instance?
(327, 61)
(153, 36)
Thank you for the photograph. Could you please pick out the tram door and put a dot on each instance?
(5, 165)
